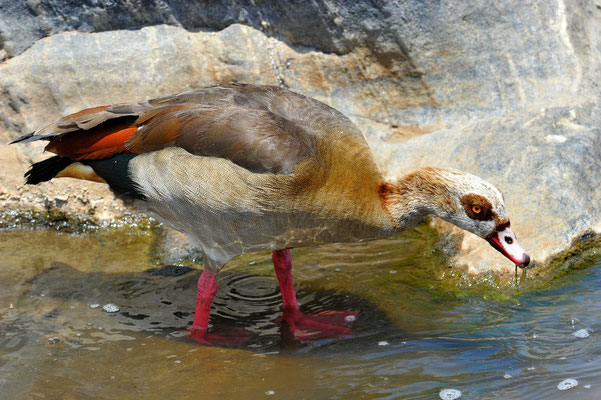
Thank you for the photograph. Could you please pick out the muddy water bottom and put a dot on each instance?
(408, 342)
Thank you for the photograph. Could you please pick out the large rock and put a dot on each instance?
(506, 91)
(545, 163)
(70, 71)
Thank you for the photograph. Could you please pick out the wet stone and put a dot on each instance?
(169, 270)
(50, 314)
(95, 305)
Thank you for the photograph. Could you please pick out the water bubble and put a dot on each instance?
(567, 384)
(350, 318)
(581, 333)
(95, 305)
(383, 343)
(449, 394)
(110, 308)
(507, 376)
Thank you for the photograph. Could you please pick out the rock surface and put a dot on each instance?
(508, 91)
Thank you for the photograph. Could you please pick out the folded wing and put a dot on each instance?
(261, 128)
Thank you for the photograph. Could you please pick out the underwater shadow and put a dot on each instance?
(160, 301)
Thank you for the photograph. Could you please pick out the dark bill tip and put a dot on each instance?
(526, 261)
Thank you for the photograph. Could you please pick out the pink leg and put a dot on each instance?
(282, 262)
(206, 290)
(306, 327)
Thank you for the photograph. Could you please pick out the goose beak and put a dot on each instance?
(503, 239)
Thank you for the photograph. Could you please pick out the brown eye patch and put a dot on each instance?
(477, 207)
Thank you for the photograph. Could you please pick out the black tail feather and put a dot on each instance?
(115, 171)
(47, 169)
(22, 138)
(30, 137)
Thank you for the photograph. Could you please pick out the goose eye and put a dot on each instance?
(477, 207)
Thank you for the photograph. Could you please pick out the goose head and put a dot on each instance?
(464, 200)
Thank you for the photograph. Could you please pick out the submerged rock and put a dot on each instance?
(507, 92)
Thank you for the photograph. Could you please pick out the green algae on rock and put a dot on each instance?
(69, 222)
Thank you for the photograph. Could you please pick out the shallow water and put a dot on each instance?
(409, 341)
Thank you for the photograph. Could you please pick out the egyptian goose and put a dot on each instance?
(245, 168)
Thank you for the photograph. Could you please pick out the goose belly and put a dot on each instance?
(223, 207)
(223, 236)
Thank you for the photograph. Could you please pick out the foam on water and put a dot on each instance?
(110, 308)
(581, 333)
(567, 384)
(350, 318)
(449, 394)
